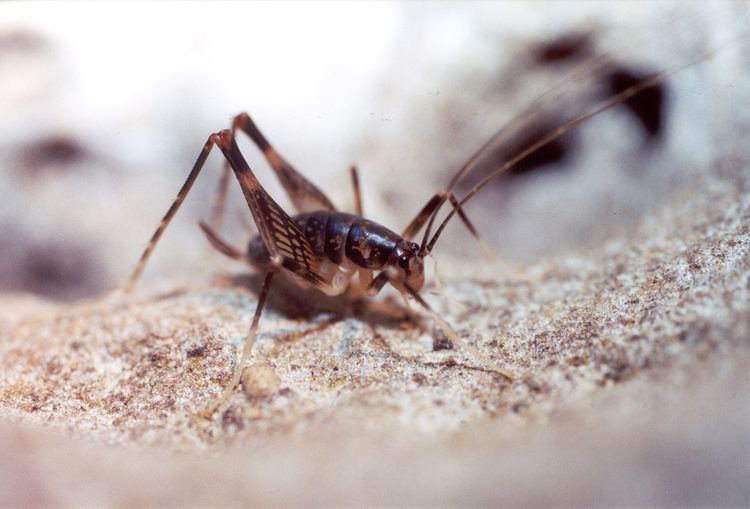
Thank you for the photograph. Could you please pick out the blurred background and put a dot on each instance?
(104, 108)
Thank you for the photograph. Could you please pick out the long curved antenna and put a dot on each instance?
(596, 64)
(429, 212)
(559, 131)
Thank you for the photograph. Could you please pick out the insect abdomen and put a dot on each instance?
(338, 236)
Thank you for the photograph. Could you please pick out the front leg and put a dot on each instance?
(486, 362)
(377, 284)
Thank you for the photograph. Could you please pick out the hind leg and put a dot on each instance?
(247, 350)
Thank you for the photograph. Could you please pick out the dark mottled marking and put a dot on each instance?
(567, 46)
(336, 233)
(52, 152)
(553, 152)
(556, 151)
(441, 342)
(369, 247)
(314, 229)
(648, 105)
(22, 41)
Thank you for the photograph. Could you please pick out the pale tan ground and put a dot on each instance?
(629, 330)
(632, 363)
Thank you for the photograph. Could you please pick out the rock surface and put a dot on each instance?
(624, 311)
(632, 364)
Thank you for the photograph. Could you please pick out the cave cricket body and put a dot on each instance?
(332, 251)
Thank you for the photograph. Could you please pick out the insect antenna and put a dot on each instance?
(592, 66)
(624, 95)
(430, 210)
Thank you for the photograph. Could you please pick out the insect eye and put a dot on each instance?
(414, 246)
(403, 261)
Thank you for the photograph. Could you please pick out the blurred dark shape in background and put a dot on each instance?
(564, 48)
(98, 130)
(57, 269)
(56, 152)
(574, 48)
(648, 105)
(19, 40)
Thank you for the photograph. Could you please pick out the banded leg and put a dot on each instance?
(465, 220)
(377, 284)
(428, 215)
(217, 211)
(287, 245)
(305, 195)
(357, 191)
(220, 245)
(380, 281)
(184, 190)
(247, 349)
(423, 215)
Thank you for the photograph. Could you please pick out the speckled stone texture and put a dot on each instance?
(623, 305)
(632, 365)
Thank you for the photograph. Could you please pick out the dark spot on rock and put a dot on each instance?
(441, 342)
(232, 419)
(619, 371)
(555, 151)
(533, 385)
(196, 352)
(450, 362)
(578, 360)
(286, 392)
(518, 406)
(419, 379)
(54, 367)
(156, 357)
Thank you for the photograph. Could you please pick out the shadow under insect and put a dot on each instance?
(296, 303)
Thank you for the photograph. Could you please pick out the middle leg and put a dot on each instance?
(486, 362)
(429, 213)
